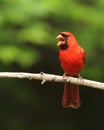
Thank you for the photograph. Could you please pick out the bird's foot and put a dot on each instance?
(79, 77)
(65, 77)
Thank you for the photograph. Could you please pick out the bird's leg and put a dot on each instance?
(79, 77)
(65, 77)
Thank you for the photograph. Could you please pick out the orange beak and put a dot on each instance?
(60, 37)
(59, 43)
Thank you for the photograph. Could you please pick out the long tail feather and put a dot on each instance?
(71, 96)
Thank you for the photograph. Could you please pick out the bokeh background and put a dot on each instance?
(28, 30)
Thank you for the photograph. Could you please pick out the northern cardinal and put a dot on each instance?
(72, 57)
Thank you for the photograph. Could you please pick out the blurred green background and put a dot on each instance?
(27, 44)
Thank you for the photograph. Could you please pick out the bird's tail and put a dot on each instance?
(71, 96)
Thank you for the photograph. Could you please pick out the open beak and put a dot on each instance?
(60, 37)
(59, 43)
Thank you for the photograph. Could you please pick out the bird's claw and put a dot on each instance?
(65, 77)
(79, 77)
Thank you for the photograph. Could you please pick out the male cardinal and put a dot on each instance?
(72, 57)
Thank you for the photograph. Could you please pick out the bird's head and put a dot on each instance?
(64, 39)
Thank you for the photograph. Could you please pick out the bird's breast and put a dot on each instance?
(71, 61)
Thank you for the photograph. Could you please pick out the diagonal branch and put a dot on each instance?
(52, 78)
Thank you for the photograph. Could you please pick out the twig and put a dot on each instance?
(52, 78)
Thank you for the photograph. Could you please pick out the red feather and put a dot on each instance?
(72, 57)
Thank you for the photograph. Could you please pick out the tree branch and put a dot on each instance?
(52, 78)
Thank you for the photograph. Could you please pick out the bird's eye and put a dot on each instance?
(64, 35)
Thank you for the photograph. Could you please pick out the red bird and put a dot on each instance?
(72, 57)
